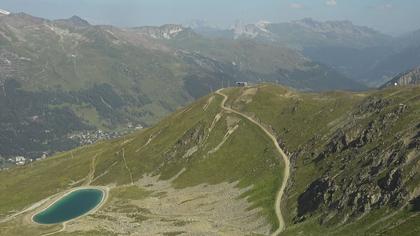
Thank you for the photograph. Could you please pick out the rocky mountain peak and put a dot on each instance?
(78, 21)
(74, 21)
(263, 25)
(259, 29)
(168, 31)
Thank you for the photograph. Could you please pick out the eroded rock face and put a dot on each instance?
(186, 143)
(415, 204)
(363, 165)
(373, 105)
(313, 197)
(415, 142)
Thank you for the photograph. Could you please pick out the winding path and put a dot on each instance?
(282, 189)
(126, 166)
(63, 228)
(91, 175)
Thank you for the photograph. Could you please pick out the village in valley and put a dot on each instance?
(81, 138)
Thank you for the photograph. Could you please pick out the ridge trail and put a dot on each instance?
(285, 158)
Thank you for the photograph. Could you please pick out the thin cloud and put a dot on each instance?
(296, 5)
(331, 3)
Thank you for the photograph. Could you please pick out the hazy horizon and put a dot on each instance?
(387, 16)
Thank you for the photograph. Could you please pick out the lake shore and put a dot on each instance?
(55, 199)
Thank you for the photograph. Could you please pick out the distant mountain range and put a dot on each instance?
(359, 52)
(307, 33)
(104, 77)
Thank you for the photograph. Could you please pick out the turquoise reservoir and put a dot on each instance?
(70, 206)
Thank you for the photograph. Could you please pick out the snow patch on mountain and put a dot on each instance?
(253, 31)
(263, 25)
(163, 32)
(4, 12)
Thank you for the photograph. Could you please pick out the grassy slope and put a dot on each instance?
(247, 157)
(384, 221)
(251, 161)
(293, 115)
(301, 118)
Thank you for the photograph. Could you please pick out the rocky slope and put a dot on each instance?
(356, 172)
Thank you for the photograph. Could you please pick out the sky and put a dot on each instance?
(389, 16)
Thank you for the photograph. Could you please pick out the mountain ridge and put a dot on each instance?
(411, 77)
(309, 32)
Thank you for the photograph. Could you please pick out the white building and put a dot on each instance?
(19, 160)
(241, 84)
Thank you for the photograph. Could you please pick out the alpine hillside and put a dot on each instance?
(107, 78)
(258, 160)
(96, 77)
